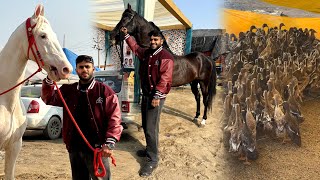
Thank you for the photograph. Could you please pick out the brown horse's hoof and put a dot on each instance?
(195, 121)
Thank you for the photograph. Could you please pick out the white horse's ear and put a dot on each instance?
(38, 11)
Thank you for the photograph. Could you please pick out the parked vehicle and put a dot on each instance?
(39, 115)
(120, 86)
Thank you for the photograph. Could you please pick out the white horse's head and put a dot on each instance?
(54, 60)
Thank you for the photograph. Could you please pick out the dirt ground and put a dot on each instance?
(186, 151)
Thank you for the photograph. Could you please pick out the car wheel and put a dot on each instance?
(53, 129)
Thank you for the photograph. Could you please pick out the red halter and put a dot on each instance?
(32, 42)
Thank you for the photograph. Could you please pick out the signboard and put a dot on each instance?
(128, 62)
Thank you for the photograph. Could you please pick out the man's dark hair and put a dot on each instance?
(85, 58)
(156, 33)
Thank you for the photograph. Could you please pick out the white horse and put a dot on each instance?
(13, 57)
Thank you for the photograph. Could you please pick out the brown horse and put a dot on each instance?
(194, 68)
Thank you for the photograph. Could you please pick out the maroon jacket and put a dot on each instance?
(103, 101)
(158, 64)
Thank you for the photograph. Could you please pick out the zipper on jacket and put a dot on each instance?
(94, 120)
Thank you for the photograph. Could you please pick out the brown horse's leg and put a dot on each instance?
(196, 93)
(204, 91)
(208, 89)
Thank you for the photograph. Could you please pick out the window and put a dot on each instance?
(31, 91)
(112, 81)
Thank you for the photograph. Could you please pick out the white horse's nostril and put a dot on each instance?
(66, 70)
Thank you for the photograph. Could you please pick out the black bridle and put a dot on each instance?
(130, 20)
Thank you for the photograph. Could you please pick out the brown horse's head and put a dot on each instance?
(127, 20)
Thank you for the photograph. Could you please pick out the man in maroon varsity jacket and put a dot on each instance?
(96, 110)
(156, 67)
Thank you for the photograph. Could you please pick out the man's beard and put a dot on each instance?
(154, 46)
(85, 80)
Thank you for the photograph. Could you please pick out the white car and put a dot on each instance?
(39, 115)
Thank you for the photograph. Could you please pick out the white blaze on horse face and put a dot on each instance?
(55, 61)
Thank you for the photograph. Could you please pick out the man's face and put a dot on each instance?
(155, 42)
(85, 70)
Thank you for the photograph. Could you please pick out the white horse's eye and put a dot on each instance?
(43, 36)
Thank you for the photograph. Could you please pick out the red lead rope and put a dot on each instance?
(97, 157)
(20, 82)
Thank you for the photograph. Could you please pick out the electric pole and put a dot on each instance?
(64, 40)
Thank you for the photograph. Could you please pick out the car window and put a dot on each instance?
(31, 91)
(112, 81)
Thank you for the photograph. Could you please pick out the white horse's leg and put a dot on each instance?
(11, 155)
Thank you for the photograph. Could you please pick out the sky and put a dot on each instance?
(203, 14)
(70, 19)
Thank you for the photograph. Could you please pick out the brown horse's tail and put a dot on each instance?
(212, 90)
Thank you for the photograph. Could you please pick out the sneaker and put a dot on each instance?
(147, 169)
(141, 153)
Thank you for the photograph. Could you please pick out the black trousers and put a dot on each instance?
(150, 124)
(82, 166)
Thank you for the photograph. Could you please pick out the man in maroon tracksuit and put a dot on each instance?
(96, 110)
(156, 67)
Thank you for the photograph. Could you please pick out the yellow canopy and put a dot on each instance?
(307, 5)
(164, 13)
(236, 21)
